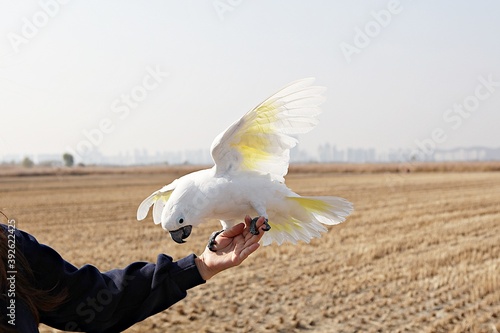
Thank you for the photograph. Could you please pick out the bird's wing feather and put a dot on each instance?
(261, 140)
(159, 200)
(305, 218)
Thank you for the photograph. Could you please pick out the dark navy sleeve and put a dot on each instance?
(111, 301)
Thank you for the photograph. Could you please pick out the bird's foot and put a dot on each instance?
(253, 226)
(211, 242)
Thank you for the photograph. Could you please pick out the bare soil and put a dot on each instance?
(421, 253)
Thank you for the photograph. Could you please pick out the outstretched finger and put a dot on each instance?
(251, 239)
(248, 251)
(233, 231)
(248, 220)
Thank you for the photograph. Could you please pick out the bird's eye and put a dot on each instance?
(181, 220)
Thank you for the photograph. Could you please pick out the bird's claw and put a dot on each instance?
(253, 226)
(253, 230)
(211, 241)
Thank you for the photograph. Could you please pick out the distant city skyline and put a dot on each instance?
(116, 76)
(326, 153)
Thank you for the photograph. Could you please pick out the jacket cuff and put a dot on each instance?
(186, 274)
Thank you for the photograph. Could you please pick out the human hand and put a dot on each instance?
(233, 246)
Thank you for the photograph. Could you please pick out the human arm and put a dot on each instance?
(109, 301)
(114, 300)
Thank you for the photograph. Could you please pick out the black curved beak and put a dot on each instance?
(180, 234)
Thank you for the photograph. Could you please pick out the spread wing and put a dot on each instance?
(159, 200)
(261, 140)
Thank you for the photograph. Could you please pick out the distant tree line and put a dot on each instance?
(68, 161)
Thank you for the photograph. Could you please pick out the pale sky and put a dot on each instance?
(397, 72)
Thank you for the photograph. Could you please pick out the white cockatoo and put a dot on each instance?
(251, 159)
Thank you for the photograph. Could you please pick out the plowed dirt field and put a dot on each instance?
(421, 253)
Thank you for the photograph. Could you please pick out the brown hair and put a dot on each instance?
(35, 299)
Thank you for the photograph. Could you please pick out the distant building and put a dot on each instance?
(326, 153)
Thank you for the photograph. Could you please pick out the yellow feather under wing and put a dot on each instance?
(305, 219)
(261, 140)
(327, 210)
(160, 203)
(159, 200)
(262, 145)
